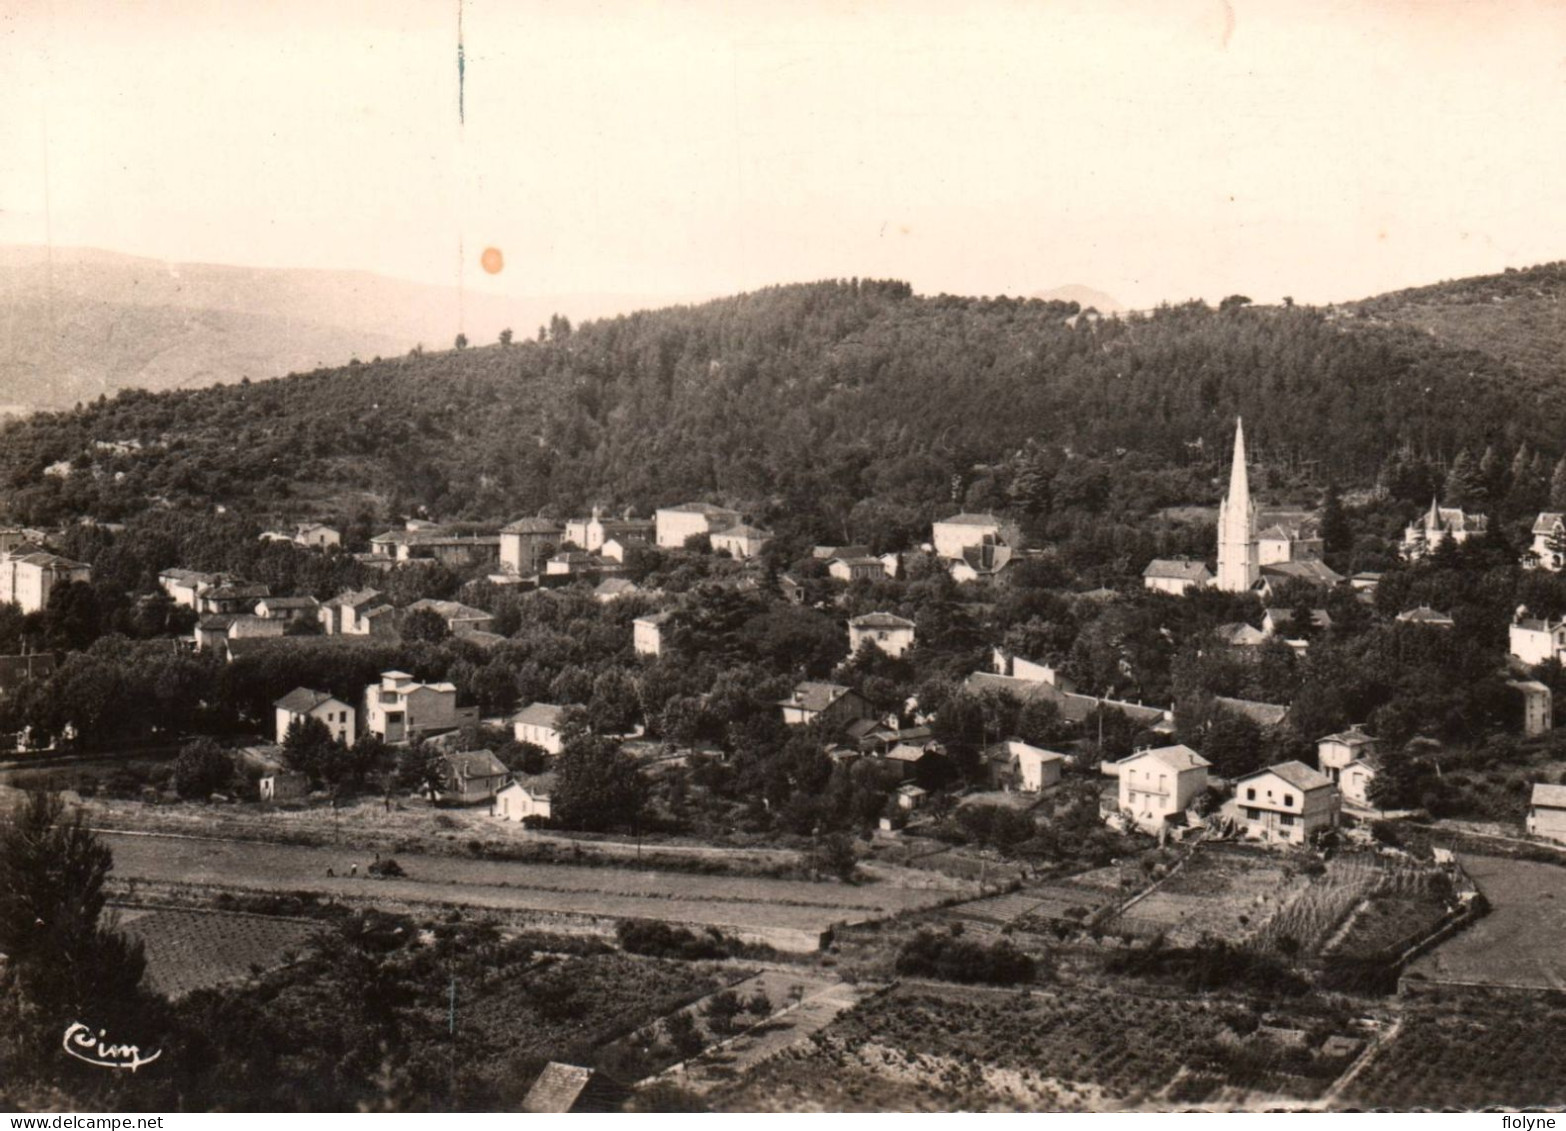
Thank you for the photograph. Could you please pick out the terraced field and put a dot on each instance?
(196, 950)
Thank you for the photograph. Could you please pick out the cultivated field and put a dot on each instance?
(790, 914)
(1469, 1054)
(926, 1047)
(1223, 891)
(1520, 942)
(197, 950)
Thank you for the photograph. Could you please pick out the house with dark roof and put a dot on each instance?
(1286, 803)
(527, 543)
(860, 567)
(1017, 765)
(1427, 533)
(214, 633)
(1426, 616)
(1073, 706)
(830, 704)
(471, 776)
(892, 634)
(185, 586)
(460, 619)
(305, 610)
(988, 561)
(1335, 752)
(235, 597)
(342, 615)
(1176, 576)
(303, 703)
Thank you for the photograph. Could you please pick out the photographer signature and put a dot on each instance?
(80, 1043)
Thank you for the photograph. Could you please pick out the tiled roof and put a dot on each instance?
(534, 526)
(1297, 774)
(969, 520)
(1177, 758)
(475, 764)
(539, 715)
(813, 696)
(881, 620)
(1177, 569)
(302, 700)
(1547, 521)
(1549, 796)
(1262, 714)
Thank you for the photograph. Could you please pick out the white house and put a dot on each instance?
(828, 703)
(1337, 752)
(345, 614)
(1176, 576)
(1427, 533)
(529, 542)
(1027, 769)
(673, 525)
(1535, 641)
(861, 568)
(302, 609)
(1538, 706)
(540, 724)
(401, 708)
(527, 796)
(28, 580)
(185, 586)
(1548, 550)
(592, 534)
(1547, 812)
(317, 535)
(303, 703)
(893, 635)
(951, 536)
(741, 541)
(1158, 784)
(647, 633)
(1286, 803)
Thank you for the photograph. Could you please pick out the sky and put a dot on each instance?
(1153, 149)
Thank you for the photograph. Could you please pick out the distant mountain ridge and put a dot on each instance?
(76, 323)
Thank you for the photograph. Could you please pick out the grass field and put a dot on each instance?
(787, 913)
(1519, 943)
(197, 950)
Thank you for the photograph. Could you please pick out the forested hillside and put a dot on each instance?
(817, 401)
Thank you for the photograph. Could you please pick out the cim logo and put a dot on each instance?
(80, 1043)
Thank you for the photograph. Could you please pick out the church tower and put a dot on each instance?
(1238, 568)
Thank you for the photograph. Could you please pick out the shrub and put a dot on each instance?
(955, 959)
(662, 940)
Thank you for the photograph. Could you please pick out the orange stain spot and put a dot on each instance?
(492, 261)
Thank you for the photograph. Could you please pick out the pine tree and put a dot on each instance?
(1464, 485)
(1492, 474)
(1337, 537)
(1558, 486)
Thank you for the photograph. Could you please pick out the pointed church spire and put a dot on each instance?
(1239, 482)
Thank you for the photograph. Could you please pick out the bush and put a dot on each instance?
(387, 869)
(953, 958)
(661, 940)
(202, 768)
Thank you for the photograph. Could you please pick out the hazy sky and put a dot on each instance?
(1155, 150)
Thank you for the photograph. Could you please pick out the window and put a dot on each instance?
(1253, 814)
(1288, 820)
(1288, 799)
(1250, 795)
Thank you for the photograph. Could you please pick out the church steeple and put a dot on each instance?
(1238, 551)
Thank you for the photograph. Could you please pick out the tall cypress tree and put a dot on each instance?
(1337, 537)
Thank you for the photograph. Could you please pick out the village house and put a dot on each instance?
(1240, 635)
(827, 553)
(1015, 765)
(471, 776)
(911, 797)
(317, 536)
(305, 610)
(614, 588)
(233, 598)
(893, 635)
(1265, 715)
(185, 586)
(428, 542)
(283, 785)
(343, 615)
(303, 703)
(592, 534)
(1287, 536)
(647, 633)
(914, 762)
(16, 670)
(791, 589)
(215, 632)
(1365, 582)
(527, 543)
(1073, 706)
(1337, 752)
(1158, 784)
(1547, 812)
(541, 724)
(830, 704)
(1536, 705)
(399, 708)
(1286, 803)
(1533, 641)
(850, 569)
(1176, 576)
(673, 525)
(1426, 616)
(527, 796)
(741, 542)
(1310, 571)
(1548, 550)
(1428, 532)
(1007, 663)
(27, 580)
(1279, 622)
(951, 536)
(460, 619)
(988, 561)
